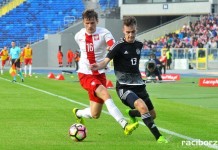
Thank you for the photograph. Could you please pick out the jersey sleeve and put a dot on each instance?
(113, 51)
(109, 38)
(110, 42)
(76, 37)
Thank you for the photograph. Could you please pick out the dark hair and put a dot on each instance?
(151, 65)
(129, 21)
(89, 14)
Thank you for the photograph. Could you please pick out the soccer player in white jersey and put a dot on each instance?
(130, 87)
(93, 42)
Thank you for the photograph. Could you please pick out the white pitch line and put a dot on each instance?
(73, 101)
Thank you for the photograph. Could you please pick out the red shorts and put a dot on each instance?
(28, 61)
(3, 62)
(91, 83)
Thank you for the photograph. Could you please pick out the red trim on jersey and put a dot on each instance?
(110, 42)
(90, 51)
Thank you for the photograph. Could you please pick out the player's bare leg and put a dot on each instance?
(102, 93)
(2, 68)
(153, 113)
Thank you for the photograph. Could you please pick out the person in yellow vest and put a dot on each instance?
(169, 58)
(163, 60)
(27, 54)
(4, 58)
(21, 59)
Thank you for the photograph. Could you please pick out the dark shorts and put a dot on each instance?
(169, 61)
(129, 94)
(17, 63)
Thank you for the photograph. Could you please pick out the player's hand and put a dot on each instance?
(108, 48)
(94, 66)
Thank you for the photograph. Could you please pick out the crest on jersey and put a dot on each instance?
(96, 37)
(137, 51)
(93, 83)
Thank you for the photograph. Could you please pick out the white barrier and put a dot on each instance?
(181, 64)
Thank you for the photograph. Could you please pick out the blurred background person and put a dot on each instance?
(4, 58)
(163, 60)
(60, 58)
(157, 62)
(77, 58)
(169, 58)
(21, 59)
(15, 53)
(152, 71)
(27, 54)
(70, 56)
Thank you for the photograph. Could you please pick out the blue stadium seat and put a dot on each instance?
(34, 18)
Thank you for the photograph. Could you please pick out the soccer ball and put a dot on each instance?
(78, 132)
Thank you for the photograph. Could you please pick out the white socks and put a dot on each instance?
(30, 69)
(86, 113)
(25, 69)
(115, 112)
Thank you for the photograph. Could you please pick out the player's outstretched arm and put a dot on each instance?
(100, 65)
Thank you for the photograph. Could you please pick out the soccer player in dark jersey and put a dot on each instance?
(129, 86)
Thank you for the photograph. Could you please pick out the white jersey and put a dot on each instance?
(93, 48)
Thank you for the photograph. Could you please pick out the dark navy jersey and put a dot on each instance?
(126, 58)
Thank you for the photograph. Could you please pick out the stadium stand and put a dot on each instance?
(108, 4)
(9, 5)
(31, 20)
(4, 2)
(200, 34)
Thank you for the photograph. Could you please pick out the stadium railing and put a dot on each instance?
(198, 58)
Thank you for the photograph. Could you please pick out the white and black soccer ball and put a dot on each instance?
(78, 132)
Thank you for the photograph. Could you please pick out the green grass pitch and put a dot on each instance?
(37, 114)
